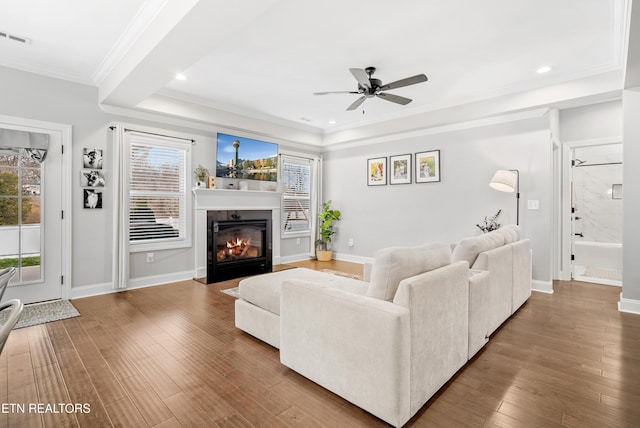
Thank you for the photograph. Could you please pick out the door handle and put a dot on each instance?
(579, 234)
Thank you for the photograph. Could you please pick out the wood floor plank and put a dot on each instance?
(125, 414)
(151, 407)
(187, 413)
(52, 390)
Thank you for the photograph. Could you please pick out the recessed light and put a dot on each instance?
(332, 122)
(544, 69)
(180, 76)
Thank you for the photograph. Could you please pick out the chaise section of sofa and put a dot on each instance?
(386, 357)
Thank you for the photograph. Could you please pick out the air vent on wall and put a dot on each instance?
(15, 38)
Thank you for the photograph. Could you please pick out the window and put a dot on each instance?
(157, 192)
(296, 199)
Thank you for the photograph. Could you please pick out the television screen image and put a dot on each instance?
(244, 158)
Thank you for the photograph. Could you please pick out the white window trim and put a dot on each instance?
(314, 193)
(187, 242)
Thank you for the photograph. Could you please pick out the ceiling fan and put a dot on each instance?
(369, 87)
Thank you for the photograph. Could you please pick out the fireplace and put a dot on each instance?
(238, 244)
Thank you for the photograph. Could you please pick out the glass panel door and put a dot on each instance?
(21, 228)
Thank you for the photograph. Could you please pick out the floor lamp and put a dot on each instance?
(508, 181)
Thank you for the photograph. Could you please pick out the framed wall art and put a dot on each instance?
(377, 171)
(400, 169)
(91, 178)
(427, 165)
(92, 158)
(92, 199)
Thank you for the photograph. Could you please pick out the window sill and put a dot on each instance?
(159, 246)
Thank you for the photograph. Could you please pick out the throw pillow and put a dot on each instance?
(392, 265)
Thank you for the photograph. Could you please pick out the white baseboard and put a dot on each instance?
(148, 281)
(542, 286)
(629, 305)
(293, 258)
(201, 272)
(351, 258)
(92, 290)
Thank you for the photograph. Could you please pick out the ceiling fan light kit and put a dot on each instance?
(368, 87)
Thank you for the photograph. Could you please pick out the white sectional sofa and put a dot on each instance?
(389, 344)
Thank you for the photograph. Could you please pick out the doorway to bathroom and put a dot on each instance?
(596, 213)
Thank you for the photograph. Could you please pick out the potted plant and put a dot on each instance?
(201, 174)
(327, 216)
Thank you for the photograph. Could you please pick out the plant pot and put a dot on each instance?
(324, 255)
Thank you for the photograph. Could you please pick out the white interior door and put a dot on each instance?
(31, 220)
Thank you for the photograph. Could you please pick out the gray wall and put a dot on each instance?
(591, 122)
(378, 217)
(42, 98)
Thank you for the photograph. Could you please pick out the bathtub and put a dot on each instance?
(599, 262)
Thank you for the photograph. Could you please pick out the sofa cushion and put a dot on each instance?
(392, 265)
(469, 248)
(510, 232)
(264, 290)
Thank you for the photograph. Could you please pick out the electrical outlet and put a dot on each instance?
(150, 258)
(350, 242)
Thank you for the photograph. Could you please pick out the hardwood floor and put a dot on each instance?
(170, 356)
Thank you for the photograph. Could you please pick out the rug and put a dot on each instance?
(40, 313)
(233, 292)
(346, 275)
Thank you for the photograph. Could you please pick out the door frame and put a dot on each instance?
(65, 190)
(565, 265)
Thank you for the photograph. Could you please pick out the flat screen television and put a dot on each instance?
(238, 157)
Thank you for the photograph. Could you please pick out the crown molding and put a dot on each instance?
(147, 13)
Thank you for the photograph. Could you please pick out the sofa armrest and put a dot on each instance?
(438, 303)
(356, 346)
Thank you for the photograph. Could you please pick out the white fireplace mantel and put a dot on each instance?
(225, 199)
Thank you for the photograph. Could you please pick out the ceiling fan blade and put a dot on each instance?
(418, 78)
(335, 92)
(394, 98)
(361, 77)
(357, 103)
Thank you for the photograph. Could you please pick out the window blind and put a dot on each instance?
(296, 199)
(157, 189)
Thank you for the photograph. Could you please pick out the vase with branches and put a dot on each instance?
(490, 224)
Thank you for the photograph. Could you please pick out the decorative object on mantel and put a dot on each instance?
(212, 182)
(201, 174)
(327, 216)
(508, 181)
(490, 224)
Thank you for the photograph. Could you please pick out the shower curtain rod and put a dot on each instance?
(599, 164)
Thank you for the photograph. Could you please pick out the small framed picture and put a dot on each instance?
(427, 166)
(91, 178)
(92, 158)
(400, 169)
(377, 171)
(92, 199)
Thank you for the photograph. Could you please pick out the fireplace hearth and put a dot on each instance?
(238, 244)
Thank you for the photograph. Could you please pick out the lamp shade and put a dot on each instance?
(504, 181)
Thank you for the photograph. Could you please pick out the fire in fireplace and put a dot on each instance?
(239, 244)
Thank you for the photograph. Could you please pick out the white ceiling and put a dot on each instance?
(265, 58)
